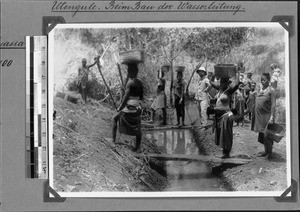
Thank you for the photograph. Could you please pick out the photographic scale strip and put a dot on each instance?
(36, 107)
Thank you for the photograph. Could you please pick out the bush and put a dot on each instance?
(280, 93)
(280, 111)
(258, 49)
(73, 86)
(95, 89)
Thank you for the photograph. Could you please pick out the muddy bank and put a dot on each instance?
(84, 160)
(259, 175)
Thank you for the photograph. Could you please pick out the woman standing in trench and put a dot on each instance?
(264, 113)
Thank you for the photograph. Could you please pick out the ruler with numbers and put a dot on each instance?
(36, 107)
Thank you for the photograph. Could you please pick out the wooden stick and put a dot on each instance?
(204, 158)
(120, 73)
(107, 87)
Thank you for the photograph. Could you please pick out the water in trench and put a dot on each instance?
(184, 175)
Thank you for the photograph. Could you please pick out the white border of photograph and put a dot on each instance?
(179, 193)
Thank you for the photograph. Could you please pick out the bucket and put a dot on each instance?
(225, 70)
(132, 56)
(274, 132)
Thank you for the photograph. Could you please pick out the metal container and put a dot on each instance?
(225, 70)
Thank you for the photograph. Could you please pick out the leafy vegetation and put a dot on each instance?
(257, 48)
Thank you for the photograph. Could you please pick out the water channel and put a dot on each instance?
(184, 175)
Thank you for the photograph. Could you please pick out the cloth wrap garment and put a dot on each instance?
(224, 133)
(223, 121)
(161, 99)
(178, 91)
(130, 118)
(263, 110)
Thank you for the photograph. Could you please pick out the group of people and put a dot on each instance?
(260, 104)
(160, 101)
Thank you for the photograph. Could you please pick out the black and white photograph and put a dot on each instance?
(169, 109)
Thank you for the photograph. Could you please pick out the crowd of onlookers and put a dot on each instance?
(232, 97)
(230, 102)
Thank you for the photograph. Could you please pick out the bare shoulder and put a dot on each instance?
(130, 83)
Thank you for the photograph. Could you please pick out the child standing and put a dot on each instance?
(178, 88)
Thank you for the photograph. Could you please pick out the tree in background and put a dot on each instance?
(214, 44)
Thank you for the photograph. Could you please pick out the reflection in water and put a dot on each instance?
(174, 141)
(184, 175)
(180, 147)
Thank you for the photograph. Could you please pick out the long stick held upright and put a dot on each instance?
(107, 87)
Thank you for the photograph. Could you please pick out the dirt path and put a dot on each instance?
(261, 174)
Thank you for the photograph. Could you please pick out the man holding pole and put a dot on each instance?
(83, 74)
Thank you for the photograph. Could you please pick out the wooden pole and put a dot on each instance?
(191, 77)
(107, 87)
(120, 73)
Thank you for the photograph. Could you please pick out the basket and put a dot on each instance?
(165, 68)
(274, 132)
(179, 68)
(132, 56)
(225, 70)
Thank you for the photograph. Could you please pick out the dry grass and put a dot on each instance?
(84, 159)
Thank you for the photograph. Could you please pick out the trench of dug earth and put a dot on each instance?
(85, 161)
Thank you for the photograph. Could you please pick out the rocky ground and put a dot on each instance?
(261, 174)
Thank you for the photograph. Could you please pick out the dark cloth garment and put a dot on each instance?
(179, 93)
(130, 117)
(161, 85)
(212, 93)
(179, 88)
(223, 129)
(240, 108)
(251, 101)
(252, 120)
(179, 107)
(263, 106)
(130, 123)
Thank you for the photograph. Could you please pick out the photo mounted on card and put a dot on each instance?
(169, 110)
